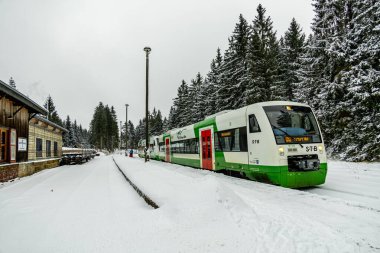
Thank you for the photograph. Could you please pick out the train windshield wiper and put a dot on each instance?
(273, 126)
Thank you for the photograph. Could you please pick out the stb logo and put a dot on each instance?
(180, 136)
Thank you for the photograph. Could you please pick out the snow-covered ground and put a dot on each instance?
(91, 208)
(354, 182)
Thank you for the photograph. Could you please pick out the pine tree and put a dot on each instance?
(172, 120)
(104, 131)
(66, 135)
(212, 82)
(326, 59)
(156, 123)
(182, 104)
(234, 68)
(360, 133)
(342, 73)
(69, 137)
(308, 75)
(165, 125)
(76, 135)
(52, 112)
(139, 132)
(114, 129)
(195, 108)
(292, 47)
(131, 135)
(263, 56)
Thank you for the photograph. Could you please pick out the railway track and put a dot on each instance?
(355, 199)
(146, 198)
(345, 192)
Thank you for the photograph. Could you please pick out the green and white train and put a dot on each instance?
(276, 142)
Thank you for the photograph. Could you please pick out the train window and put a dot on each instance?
(293, 121)
(235, 143)
(189, 146)
(234, 140)
(194, 146)
(243, 139)
(253, 124)
(162, 147)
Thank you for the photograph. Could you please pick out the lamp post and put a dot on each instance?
(147, 51)
(121, 131)
(126, 127)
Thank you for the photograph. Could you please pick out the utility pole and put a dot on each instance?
(121, 131)
(126, 128)
(147, 51)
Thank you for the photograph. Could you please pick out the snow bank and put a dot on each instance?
(251, 216)
(91, 208)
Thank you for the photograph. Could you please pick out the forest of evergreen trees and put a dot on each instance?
(76, 137)
(156, 127)
(104, 130)
(335, 70)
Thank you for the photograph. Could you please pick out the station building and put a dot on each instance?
(45, 139)
(19, 142)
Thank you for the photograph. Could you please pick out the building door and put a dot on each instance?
(167, 149)
(206, 149)
(12, 145)
(3, 145)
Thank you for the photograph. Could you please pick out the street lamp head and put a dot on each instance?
(147, 49)
(126, 105)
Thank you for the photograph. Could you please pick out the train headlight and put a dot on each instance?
(281, 150)
(320, 148)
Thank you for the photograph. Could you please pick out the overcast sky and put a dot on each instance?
(85, 51)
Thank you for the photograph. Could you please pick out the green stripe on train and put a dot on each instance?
(187, 162)
(278, 175)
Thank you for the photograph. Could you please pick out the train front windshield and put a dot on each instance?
(293, 124)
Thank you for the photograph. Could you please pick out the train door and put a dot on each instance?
(206, 144)
(167, 150)
(256, 145)
(156, 147)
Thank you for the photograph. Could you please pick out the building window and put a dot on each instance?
(38, 147)
(48, 148)
(55, 148)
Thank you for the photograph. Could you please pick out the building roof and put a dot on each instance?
(32, 106)
(50, 123)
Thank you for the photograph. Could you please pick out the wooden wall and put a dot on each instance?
(20, 122)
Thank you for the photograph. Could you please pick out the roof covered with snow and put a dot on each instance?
(32, 106)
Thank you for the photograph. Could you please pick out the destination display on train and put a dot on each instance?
(296, 139)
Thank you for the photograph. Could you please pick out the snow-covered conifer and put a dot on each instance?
(233, 69)
(262, 60)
